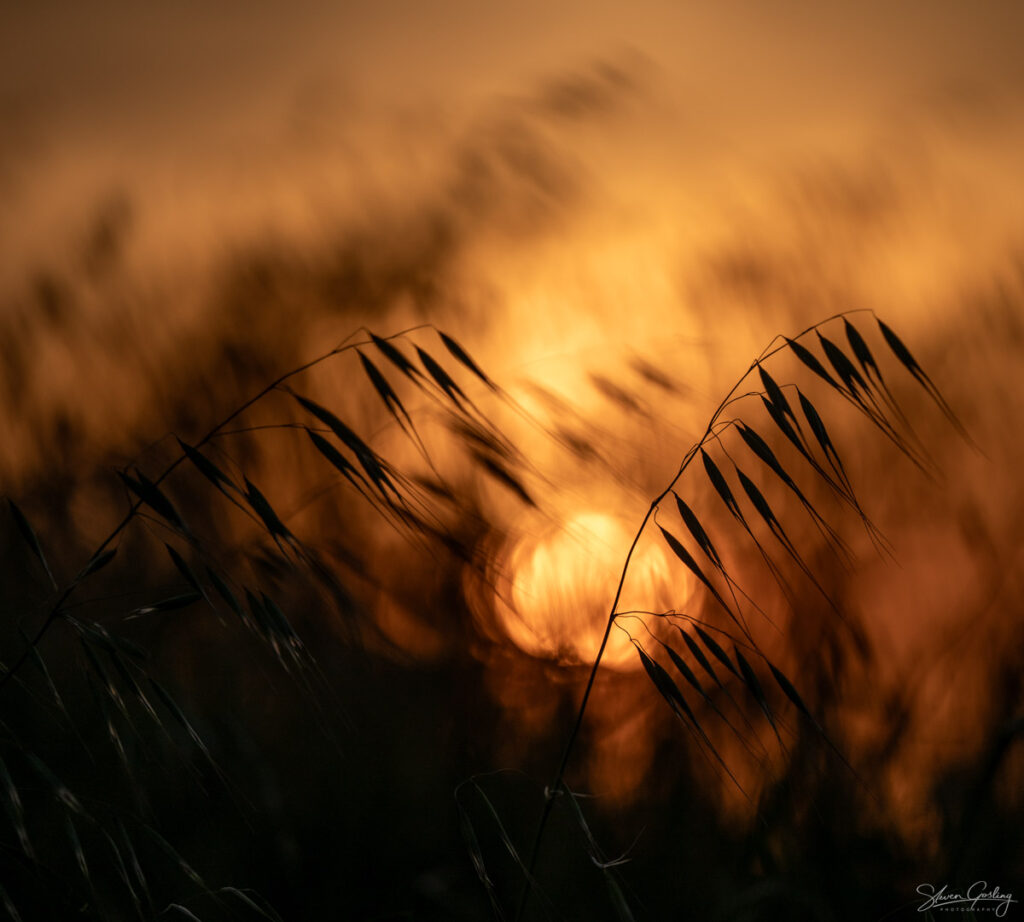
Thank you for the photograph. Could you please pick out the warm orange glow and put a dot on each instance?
(572, 215)
(562, 584)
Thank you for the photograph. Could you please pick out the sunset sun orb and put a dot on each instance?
(562, 586)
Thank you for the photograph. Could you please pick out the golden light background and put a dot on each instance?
(578, 192)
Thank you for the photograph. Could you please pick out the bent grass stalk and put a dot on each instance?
(264, 617)
(551, 792)
(99, 556)
(849, 392)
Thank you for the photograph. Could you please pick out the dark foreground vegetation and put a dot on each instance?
(207, 713)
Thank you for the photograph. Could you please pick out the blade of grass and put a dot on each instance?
(29, 535)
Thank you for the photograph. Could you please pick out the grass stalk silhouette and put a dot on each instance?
(852, 374)
(853, 389)
(101, 548)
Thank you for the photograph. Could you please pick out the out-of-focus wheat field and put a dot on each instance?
(613, 211)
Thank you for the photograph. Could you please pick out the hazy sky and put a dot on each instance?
(208, 113)
(113, 66)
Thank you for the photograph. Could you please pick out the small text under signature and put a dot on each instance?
(979, 896)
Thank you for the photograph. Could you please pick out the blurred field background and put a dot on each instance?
(614, 211)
